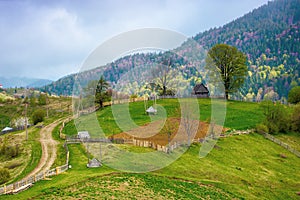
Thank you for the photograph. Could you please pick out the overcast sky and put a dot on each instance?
(50, 39)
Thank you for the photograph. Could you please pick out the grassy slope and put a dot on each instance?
(136, 186)
(255, 172)
(30, 153)
(292, 139)
(239, 115)
(247, 166)
(30, 150)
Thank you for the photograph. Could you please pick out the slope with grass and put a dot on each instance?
(239, 115)
(255, 172)
(292, 139)
(241, 167)
(30, 152)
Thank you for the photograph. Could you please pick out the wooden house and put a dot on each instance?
(201, 91)
(94, 163)
(83, 135)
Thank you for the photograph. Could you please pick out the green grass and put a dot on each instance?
(61, 152)
(135, 186)
(247, 165)
(254, 172)
(77, 173)
(70, 128)
(242, 167)
(113, 120)
(291, 138)
(36, 153)
(243, 115)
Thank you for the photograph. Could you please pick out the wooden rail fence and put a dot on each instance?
(284, 145)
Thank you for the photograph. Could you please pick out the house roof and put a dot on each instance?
(7, 129)
(83, 134)
(200, 88)
(151, 110)
(94, 163)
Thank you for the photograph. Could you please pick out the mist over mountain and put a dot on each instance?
(269, 36)
(11, 82)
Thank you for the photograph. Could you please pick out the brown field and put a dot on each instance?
(156, 132)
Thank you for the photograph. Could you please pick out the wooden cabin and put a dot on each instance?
(201, 91)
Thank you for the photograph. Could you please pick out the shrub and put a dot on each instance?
(42, 99)
(261, 128)
(4, 175)
(13, 165)
(295, 119)
(12, 151)
(294, 95)
(38, 116)
(9, 151)
(133, 97)
(277, 118)
(273, 128)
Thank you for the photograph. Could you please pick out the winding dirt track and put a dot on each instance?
(48, 149)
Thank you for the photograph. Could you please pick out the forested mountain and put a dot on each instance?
(269, 36)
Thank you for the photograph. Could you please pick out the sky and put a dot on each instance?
(51, 39)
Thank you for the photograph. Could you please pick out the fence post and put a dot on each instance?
(68, 155)
(57, 170)
(44, 175)
(4, 189)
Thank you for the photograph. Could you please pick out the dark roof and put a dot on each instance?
(200, 88)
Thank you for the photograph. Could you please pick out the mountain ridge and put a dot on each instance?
(268, 35)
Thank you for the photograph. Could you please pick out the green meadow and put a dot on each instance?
(238, 167)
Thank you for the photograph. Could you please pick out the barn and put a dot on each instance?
(200, 91)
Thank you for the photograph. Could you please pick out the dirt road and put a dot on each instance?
(48, 148)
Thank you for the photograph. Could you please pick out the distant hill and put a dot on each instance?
(269, 36)
(39, 83)
(12, 82)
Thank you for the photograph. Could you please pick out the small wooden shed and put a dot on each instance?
(151, 110)
(201, 91)
(94, 163)
(83, 135)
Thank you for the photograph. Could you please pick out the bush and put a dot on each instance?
(273, 128)
(12, 151)
(294, 95)
(277, 119)
(38, 116)
(42, 99)
(261, 128)
(9, 151)
(4, 175)
(295, 119)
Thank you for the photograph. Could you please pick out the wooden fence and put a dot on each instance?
(28, 182)
(284, 145)
(158, 147)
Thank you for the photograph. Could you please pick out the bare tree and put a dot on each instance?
(189, 120)
(163, 74)
(168, 129)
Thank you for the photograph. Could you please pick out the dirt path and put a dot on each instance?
(48, 149)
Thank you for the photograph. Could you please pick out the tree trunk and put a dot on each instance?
(226, 95)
